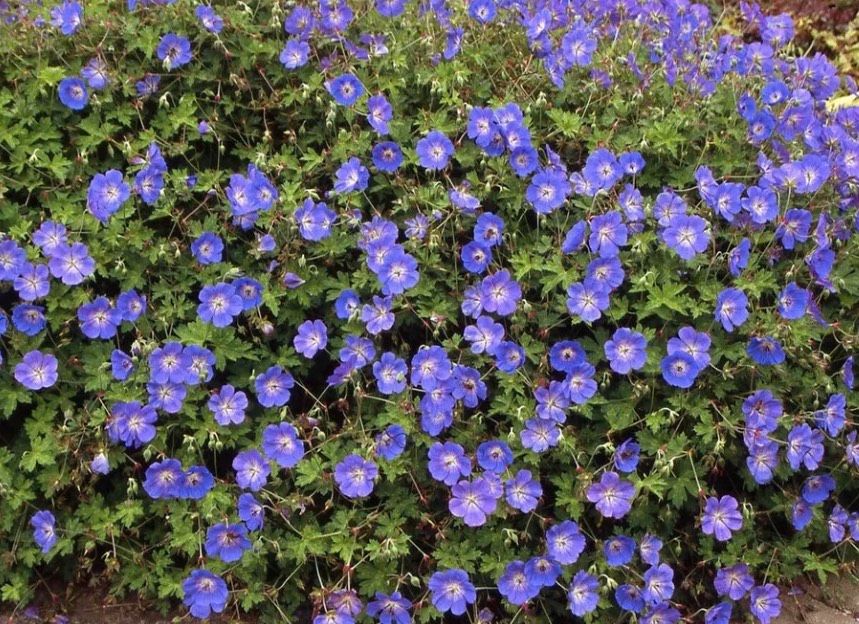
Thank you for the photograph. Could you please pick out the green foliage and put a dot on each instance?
(286, 123)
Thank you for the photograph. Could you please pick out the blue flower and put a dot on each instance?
(565, 542)
(732, 308)
(29, 319)
(281, 444)
(106, 194)
(679, 369)
(587, 301)
(509, 356)
(357, 351)
(228, 542)
(721, 517)
(169, 363)
(461, 197)
(761, 204)
(833, 418)
(608, 234)
(764, 603)
(583, 593)
(99, 464)
(166, 396)
(398, 273)
(131, 305)
(552, 402)
(250, 511)
(719, 614)
(378, 316)
(196, 483)
(693, 343)
(468, 386)
(345, 89)
(626, 351)
(500, 293)
(434, 151)
(658, 584)
(44, 530)
(48, 238)
(488, 229)
(494, 456)
(132, 423)
(390, 8)
(565, 355)
(726, 200)
(662, 613)
(73, 93)
(579, 382)
(163, 479)
(543, 570)
(793, 301)
(68, 17)
(351, 176)
(733, 581)
(391, 442)
(273, 386)
(626, 455)
(387, 156)
(687, 235)
(612, 495)
(547, 191)
(219, 304)
(628, 598)
(430, 367)
(36, 370)
(250, 291)
(649, 548)
(393, 609)
(578, 46)
(311, 338)
(174, 50)
(300, 22)
(417, 227)
(32, 282)
(793, 227)
(228, 405)
(448, 462)
(619, 550)
(765, 350)
(210, 20)
(451, 591)
(148, 86)
(522, 491)
(817, 488)
(484, 335)
(539, 435)
(379, 113)
(200, 364)
(252, 470)
(148, 183)
(98, 319)
(204, 593)
(355, 476)
(207, 248)
(314, 220)
(476, 257)
(482, 11)
(515, 585)
(390, 373)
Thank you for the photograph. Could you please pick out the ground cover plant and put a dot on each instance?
(487, 311)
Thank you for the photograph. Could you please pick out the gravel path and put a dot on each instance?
(835, 603)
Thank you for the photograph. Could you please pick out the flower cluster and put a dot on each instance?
(374, 311)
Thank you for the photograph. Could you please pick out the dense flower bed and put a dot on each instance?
(512, 309)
